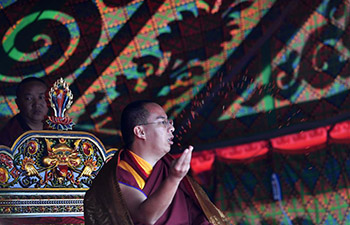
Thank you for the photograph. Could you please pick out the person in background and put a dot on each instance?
(143, 184)
(33, 109)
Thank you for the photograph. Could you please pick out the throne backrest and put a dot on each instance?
(46, 173)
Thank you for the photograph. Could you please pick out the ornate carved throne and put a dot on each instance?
(46, 173)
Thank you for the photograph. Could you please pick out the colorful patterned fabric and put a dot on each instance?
(226, 71)
(314, 188)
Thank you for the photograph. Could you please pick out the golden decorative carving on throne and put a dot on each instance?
(46, 173)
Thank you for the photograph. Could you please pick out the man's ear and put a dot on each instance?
(139, 132)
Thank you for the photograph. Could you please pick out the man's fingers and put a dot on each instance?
(188, 156)
(185, 158)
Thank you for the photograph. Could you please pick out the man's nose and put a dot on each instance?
(39, 101)
(171, 127)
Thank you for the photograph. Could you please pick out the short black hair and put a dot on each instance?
(26, 81)
(133, 114)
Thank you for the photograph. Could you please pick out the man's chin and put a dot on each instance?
(38, 119)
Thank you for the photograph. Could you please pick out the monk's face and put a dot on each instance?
(31, 101)
(159, 130)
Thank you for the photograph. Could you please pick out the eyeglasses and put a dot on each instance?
(166, 123)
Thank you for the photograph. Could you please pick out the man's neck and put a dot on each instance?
(151, 159)
(34, 125)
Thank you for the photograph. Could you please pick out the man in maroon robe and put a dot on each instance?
(31, 102)
(143, 184)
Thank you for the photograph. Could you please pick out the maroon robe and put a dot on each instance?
(184, 208)
(12, 130)
(104, 203)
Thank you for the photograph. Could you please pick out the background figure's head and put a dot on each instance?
(31, 100)
(133, 114)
